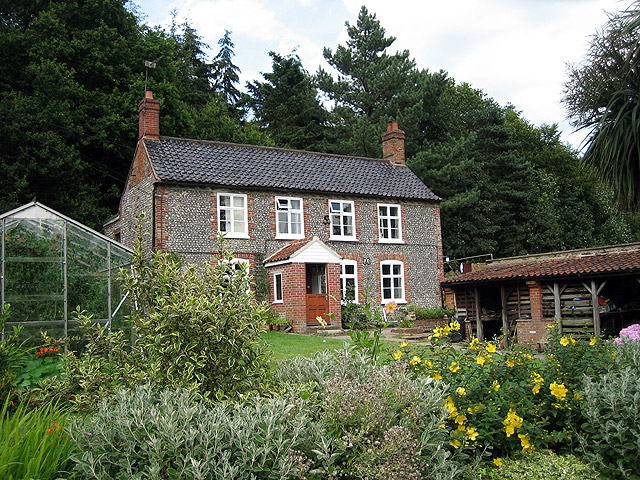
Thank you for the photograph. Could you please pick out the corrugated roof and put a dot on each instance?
(197, 161)
(590, 264)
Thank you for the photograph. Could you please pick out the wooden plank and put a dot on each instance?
(479, 329)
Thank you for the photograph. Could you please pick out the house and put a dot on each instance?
(321, 228)
(589, 292)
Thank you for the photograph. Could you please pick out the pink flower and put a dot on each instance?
(632, 333)
(390, 307)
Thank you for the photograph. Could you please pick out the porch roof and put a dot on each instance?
(305, 250)
(584, 263)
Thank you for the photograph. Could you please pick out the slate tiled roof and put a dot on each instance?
(571, 266)
(234, 165)
(285, 252)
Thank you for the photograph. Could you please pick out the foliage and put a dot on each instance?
(368, 86)
(33, 443)
(106, 363)
(424, 313)
(537, 465)
(199, 327)
(381, 423)
(603, 96)
(13, 355)
(509, 402)
(146, 433)
(225, 72)
(44, 364)
(366, 334)
(286, 105)
(611, 428)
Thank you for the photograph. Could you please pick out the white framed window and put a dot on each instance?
(349, 281)
(277, 288)
(392, 281)
(232, 215)
(389, 223)
(289, 218)
(342, 220)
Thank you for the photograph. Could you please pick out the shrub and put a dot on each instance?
(498, 402)
(33, 443)
(146, 433)
(382, 423)
(537, 465)
(198, 327)
(610, 433)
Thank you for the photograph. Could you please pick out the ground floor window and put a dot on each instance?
(277, 288)
(349, 281)
(392, 281)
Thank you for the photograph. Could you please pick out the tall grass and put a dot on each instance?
(33, 444)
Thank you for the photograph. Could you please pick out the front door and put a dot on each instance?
(317, 298)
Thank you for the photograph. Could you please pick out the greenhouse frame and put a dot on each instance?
(52, 265)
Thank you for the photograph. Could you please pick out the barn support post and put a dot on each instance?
(479, 329)
(594, 289)
(505, 319)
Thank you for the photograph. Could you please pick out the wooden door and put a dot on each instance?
(316, 298)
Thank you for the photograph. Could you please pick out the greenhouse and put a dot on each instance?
(52, 265)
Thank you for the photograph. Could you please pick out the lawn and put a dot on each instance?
(289, 345)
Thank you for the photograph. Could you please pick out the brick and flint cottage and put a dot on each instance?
(324, 228)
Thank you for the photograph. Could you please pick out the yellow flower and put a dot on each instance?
(564, 341)
(442, 425)
(461, 391)
(528, 357)
(437, 376)
(593, 341)
(510, 363)
(551, 326)
(428, 364)
(497, 462)
(536, 389)
(495, 385)
(525, 442)
(404, 344)
(512, 422)
(454, 367)
(397, 355)
(474, 344)
(491, 348)
(481, 360)
(454, 326)
(558, 390)
(472, 433)
(455, 443)
(460, 419)
(572, 340)
(415, 360)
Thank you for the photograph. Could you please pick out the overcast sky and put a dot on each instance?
(516, 51)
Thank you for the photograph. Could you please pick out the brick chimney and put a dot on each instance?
(393, 145)
(149, 124)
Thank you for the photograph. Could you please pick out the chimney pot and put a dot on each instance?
(393, 145)
(149, 117)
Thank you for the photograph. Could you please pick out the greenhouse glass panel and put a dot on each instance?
(51, 265)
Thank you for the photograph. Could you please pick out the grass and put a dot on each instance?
(289, 345)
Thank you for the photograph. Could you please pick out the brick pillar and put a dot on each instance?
(393, 145)
(161, 224)
(334, 291)
(533, 331)
(149, 117)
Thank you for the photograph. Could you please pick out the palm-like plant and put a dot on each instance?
(603, 95)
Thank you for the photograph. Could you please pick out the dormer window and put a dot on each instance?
(289, 218)
(342, 220)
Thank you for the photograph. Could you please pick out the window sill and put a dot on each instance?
(277, 302)
(398, 301)
(231, 235)
(397, 242)
(343, 239)
(289, 237)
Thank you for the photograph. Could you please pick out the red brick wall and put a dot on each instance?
(294, 289)
(400, 258)
(533, 331)
(149, 117)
